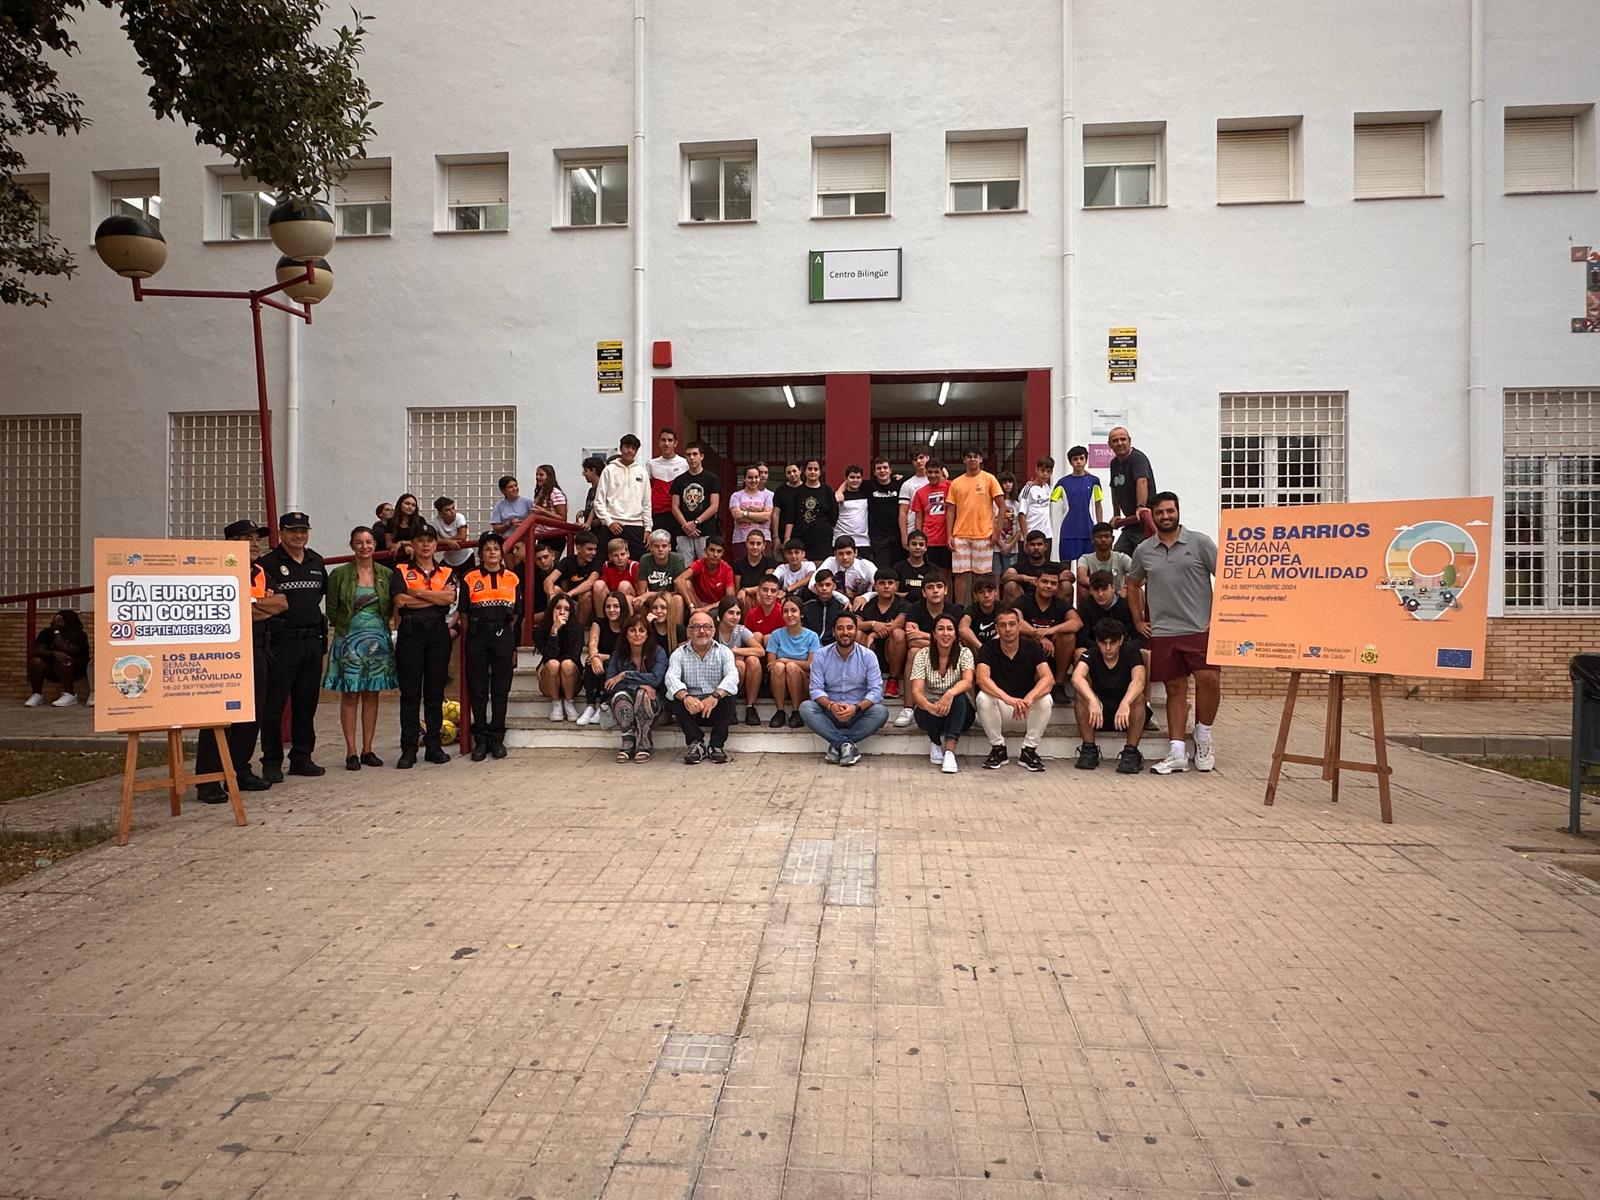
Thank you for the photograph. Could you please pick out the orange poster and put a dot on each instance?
(1393, 588)
(172, 640)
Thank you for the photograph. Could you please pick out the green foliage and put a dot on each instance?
(251, 77)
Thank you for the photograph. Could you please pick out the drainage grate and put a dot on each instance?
(697, 1053)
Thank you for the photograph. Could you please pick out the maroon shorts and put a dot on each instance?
(1177, 657)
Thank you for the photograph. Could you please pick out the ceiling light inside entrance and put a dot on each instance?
(944, 392)
(788, 394)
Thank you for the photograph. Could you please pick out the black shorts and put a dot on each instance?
(940, 557)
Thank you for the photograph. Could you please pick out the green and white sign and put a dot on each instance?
(854, 275)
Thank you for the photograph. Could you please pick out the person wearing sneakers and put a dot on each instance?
(60, 652)
(1108, 693)
(749, 653)
(765, 613)
(559, 640)
(941, 689)
(1014, 682)
(492, 601)
(852, 575)
(977, 626)
(424, 599)
(702, 680)
(846, 705)
(299, 640)
(790, 652)
(1169, 594)
(920, 617)
(883, 631)
(600, 641)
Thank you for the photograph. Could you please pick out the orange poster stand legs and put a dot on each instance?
(1333, 740)
(177, 778)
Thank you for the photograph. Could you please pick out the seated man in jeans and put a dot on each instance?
(846, 705)
(701, 683)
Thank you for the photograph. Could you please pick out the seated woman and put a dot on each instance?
(634, 675)
(604, 631)
(658, 611)
(749, 652)
(61, 653)
(361, 659)
(789, 652)
(559, 642)
(941, 684)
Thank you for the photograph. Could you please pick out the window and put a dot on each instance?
(1258, 162)
(133, 196)
(41, 461)
(243, 206)
(720, 182)
(213, 472)
(985, 171)
(1282, 448)
(852, 179)
(38, 189)
(1396, 154)
(476, 195)
(1552, 500)
(594, 188)
(361, 200)
(460, 452)
(1549, 149)
(1122, 167)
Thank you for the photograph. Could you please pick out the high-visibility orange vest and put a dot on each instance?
(258, 582)
(416, 581)
(491, 597)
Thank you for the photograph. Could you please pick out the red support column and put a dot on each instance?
(666, 408)
(847, 417)
(1036, 432)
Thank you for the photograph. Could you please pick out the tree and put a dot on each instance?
(249, 76)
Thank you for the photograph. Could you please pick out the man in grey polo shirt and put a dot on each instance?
(1177, 566)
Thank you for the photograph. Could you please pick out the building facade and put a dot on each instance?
(1347, 237)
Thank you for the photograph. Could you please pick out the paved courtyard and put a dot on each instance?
(560, 977)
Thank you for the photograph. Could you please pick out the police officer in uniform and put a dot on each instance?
(492, 606)
(298, 637)
(422, 648)
(242, 734)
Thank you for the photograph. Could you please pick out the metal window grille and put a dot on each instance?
(1552, 500)
(1282, 448)
(999, 438)
(213, 472)
(41, 463)
(460, 452)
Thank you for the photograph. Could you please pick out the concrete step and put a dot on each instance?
(529, 709)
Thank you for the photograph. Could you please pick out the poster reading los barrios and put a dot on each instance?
(1393, 588)
(171, 634)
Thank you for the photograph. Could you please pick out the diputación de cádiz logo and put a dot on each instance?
(1428, 565)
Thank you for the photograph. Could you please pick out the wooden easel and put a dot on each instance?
(1332, 741)
(177, 778)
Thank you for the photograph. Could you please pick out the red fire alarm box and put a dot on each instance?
(661, 354)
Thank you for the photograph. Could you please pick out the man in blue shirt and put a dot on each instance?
(846, 705)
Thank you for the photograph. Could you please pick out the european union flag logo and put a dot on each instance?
(1457, 659)
(230, 705)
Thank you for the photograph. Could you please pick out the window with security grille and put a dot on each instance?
(999, 439)
(41, 462)
(460, 452)
(213, 472)
(1552, 500)
(1281, 448)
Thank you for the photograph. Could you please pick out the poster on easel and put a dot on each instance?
(172, 640)
(1396, 587)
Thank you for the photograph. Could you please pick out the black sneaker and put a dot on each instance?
(1058, 694)
(211, 793)
(1030, 759)
(407, 760)
(778, 720)
(435, 755)
(717, 755)
(480, 751)
(1088, 756)
(695, 754)
(497, 750)
(352, 762)
(307, 768)
(1130, 761)
(796, 721)
(997, 758)
(751, 716)
(250, 782)
(271, 775)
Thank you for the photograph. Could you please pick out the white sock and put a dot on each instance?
(1179, 749)
(1202, 733)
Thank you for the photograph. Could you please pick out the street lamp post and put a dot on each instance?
(302, 229)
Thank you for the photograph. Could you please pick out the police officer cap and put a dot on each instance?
(294, 520)
(239, 528)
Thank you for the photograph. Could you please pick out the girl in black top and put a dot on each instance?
(406, 519)
(559, 641)
(604, 631)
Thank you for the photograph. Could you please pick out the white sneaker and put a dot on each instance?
(572, 709)
(590, 715)
(905, 718)
(33, 701)
(935, 754)
(1204, 759)
(950, 767)
(557, 713)
(1172, 764)
(65, 700)
(90, 702)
